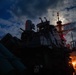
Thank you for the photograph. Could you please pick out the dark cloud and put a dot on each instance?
(33, 8)
(70, 8)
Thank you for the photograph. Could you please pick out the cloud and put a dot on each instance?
(70, 8)
(33, 8)
(5, 22)
(7, 26)
(21, 10)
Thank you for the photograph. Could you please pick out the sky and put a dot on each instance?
(14, 13)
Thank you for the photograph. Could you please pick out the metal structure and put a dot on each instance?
(60, 28)
(41, 52)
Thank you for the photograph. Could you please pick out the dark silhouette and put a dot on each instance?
(41, 52)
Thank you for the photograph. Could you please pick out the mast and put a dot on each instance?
(60, 27)
(72, 36)
(58, 15)
(72, 40)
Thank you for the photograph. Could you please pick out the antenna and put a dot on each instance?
(72, 38)
(45, 18)
(41, 19)
(58, 15)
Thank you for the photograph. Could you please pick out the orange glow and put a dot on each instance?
(73, 61)
(74, 64)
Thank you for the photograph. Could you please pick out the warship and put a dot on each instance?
(36, 53)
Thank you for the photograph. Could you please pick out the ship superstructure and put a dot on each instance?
(41, 52)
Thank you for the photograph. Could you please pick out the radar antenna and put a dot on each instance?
(41, 19)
